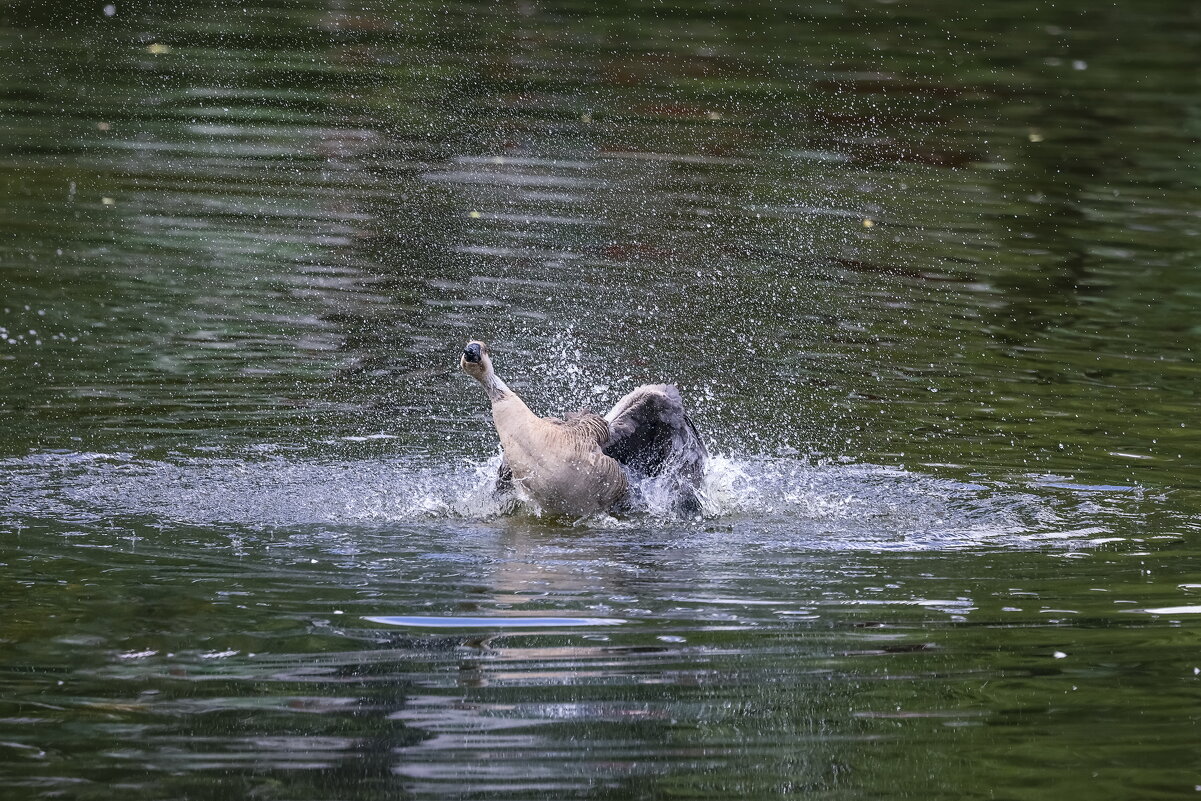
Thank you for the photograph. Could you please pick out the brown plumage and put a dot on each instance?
(582, 465)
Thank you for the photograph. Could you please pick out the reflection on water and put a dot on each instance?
(926, 278)
(272, 625)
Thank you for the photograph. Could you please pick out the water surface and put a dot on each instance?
(926, 276)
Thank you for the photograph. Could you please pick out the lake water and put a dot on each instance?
(926, 275)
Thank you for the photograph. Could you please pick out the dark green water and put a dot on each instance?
(928, 276)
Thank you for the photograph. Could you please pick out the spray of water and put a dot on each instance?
(781, 499)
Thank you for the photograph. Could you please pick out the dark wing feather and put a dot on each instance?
(504, 477)
(503, 491)
(650, 433)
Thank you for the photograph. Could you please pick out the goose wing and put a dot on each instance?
(650, 433)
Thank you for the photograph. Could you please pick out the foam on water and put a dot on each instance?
(770, 499)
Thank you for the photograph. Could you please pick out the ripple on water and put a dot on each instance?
(497, 622)
(761, 502)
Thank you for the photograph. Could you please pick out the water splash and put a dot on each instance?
(784, 500)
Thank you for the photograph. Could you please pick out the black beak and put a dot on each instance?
(472, 352)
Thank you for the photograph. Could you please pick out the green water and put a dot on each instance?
(926, 274)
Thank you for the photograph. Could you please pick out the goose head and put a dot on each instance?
(475, 361)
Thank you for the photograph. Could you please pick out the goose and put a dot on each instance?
(585, 464)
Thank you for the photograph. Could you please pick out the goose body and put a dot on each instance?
(583, 465)
(559, 463)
